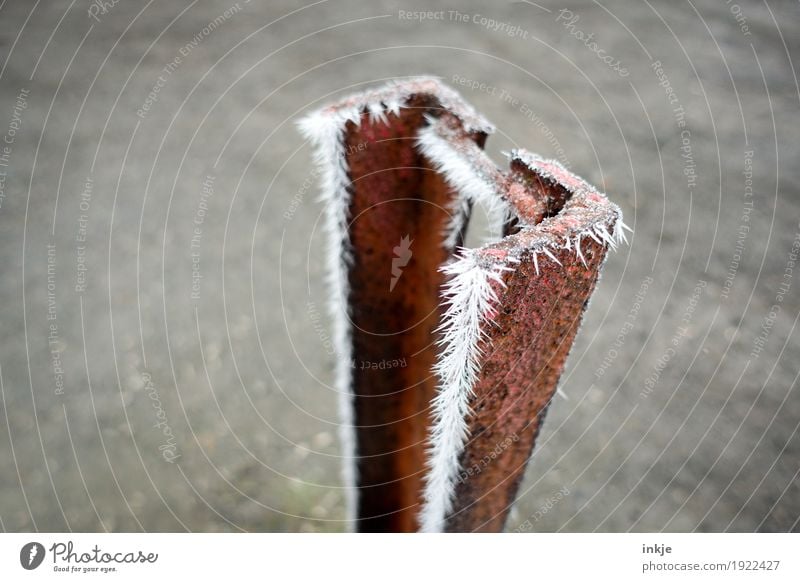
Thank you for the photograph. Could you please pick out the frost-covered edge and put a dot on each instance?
(470, 299)
(469, 185)
(327, 135)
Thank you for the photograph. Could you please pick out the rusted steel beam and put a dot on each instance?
(393, 221)
(514, 308)
(483, 334)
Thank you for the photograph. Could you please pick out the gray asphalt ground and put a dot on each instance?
(164, 353)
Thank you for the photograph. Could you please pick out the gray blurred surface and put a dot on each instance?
(242, 371)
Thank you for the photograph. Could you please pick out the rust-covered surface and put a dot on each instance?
(539, 309)
(411, 161)
(396, 196)
(527, 344)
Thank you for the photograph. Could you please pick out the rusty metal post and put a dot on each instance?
(482, 334)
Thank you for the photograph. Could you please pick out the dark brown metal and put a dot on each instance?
(396, 197)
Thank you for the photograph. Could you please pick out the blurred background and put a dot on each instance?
(166, 363)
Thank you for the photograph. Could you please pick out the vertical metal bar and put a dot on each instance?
(395, 216)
